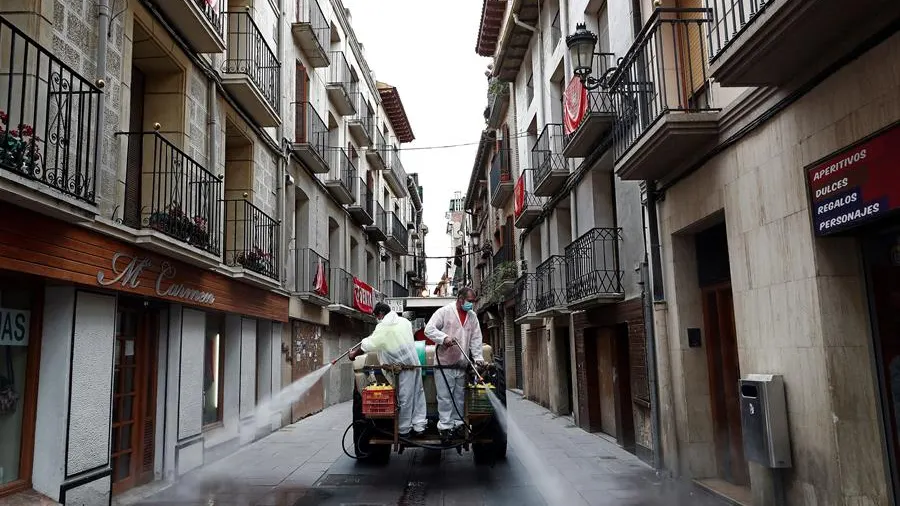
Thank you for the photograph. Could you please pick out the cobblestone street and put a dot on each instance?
(303, 465)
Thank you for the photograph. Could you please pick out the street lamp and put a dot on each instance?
(581, 49)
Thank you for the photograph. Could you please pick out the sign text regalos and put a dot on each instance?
(857, 185)
(363, 296)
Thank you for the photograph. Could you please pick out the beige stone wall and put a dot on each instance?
(800, 303)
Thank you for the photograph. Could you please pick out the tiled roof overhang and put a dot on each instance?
(485, 146)
(393, 106)
(492, 12)
(513, 42)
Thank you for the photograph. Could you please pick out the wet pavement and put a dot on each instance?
(303, 465)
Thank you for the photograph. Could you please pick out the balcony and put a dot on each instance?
(498, 286)
(378, 229)
(551, 287)
(664, 118)
(550, 168)
(592, 269)
(498, 102)
(526, 298)
(251, 239)
(199, 22)
(312, 33)
(768, 43)
(363, 205)
(310, 139)
(397, 235)
(415, 191)
(341, 84)
(311, 281)
(171, 195)
(342, 286)
(393, 289)
(360, 124)
(599, 114)
(528, 206)
(339, 180)
(501, 179)
(395, 176)
(377, 153)
(48, 121)
(251, 72)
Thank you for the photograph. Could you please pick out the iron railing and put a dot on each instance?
(546, 155)
(592, 264)
(311, 273)
(364, 114)
(48, 117)
(248, 53)
(343, 170)
(310, 128)
(380, 144)
(380, 218)
(600, 100)
(309, 12)
(663, 72)
(395, 289)
(363, 196)
(339, 72)
(729, 19)
(212, 13)
(397, 231)
(396, 166)
(500, 170)
(502, 255)
(171, 192)
(551, 283)
(251, 239)
(524, 193)
(342, 287)
(526, 294)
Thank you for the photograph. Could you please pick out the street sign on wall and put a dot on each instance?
(857, 185)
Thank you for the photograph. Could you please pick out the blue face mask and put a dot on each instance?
(467, 306)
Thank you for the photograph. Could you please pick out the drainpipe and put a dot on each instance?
(102, 41)
(283, 160)
(653, 280)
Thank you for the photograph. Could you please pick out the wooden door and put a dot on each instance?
(537, 386)
(307, 350)
(134, 396)
(622, 379)
(301, 87)
(606, 379)
(724, 374)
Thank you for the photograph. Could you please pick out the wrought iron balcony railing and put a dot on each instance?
(551, 283)
(396, 166)
(311, 274)
(380, 218)
(501, 172)
(212, 13)
(48, 118)
(663, 72)
(592, 265)
(342, 287)
(251, 239)
(502, 255)
(343, 170)
(310, 128)
(546, 155)
(395, 289)
(398, 232)
(526, 294)
(364, 115)
(381, 144)
(339, 72)
(309, 12)
(729, 19)
(248, 53)
(170, 192)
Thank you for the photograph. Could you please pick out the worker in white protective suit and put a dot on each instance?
(393, 340)
(450, 325)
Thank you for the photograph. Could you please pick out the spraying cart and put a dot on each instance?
(375, 411)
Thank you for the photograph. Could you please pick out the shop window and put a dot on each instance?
(17, 344)
(213, 368)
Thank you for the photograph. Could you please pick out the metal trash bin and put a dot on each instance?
(764, 423)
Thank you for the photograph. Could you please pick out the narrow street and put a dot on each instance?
(303, 465)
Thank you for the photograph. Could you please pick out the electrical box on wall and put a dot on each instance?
(694, 340)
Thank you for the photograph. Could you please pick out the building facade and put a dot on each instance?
(183, 233)
(735, 160)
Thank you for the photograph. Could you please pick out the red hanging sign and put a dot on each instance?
(574, 105)
(363, 296)
(520, 195)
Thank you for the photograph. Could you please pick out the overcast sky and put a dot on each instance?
(432, 62)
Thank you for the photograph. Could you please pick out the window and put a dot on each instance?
(555, 32)
(213, 367)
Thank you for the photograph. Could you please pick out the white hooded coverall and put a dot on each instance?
(446, 322)
(393, 340)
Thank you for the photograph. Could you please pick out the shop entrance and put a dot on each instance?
(883, 265)
(134, 395)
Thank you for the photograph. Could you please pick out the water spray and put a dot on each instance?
(346, 353)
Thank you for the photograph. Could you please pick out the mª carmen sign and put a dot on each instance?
(857, 185)
(126, 271)
(363, 296)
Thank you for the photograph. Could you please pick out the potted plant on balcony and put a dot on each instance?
(19, 147)
(498, 287)
(256, 260)
(175, 222)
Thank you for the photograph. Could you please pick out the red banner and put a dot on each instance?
(574, 105)
(363, 296)
(520, 195)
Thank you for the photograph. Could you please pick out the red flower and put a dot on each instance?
(4, 117)
(27, 130)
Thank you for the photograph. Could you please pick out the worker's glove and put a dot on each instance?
(449, 341)
(355, 353)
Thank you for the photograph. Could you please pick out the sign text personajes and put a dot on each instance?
(857, 185)
(127, 270)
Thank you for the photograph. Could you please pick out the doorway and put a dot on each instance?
(134, 395)
(307, 357)
(609, 383)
